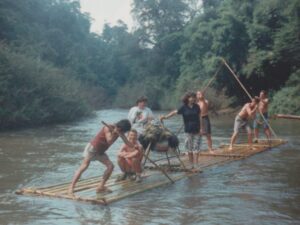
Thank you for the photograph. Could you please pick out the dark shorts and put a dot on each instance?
(260, 122)
(206, 125)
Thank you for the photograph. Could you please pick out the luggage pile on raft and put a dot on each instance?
(160, 138)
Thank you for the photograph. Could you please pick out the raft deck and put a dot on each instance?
(152, 178)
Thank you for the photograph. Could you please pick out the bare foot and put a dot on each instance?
(103, 189)
(195, 170)
(230, 148)
(71, 192)
(211, 151)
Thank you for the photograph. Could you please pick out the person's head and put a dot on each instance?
(123, 126)
(263, 94)
(189, 98)
(132, 136)
(141, 102)
(200, 95)
(254, 101)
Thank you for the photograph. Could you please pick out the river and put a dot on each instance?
(263, 189)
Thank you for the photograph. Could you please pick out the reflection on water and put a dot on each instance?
(263, 189)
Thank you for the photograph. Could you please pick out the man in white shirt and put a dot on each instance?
(140, 115)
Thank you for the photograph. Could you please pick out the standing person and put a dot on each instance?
(140, 114)
(190, 112)
(129, 158)
(205, 122)
(242, 121)
(95, 150)
(259, 120)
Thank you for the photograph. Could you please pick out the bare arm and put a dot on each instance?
(110, 136)
(132, 154)
(201, 124)
(122, 151)
(251, 112)
(169, 115)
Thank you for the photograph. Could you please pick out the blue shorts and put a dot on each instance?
(260, 122)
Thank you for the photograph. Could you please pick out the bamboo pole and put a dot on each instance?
(147, 152)
(211, 80)
(243, 87)
(284, 116)
(145, 188)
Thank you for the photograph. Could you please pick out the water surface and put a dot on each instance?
(263, 189)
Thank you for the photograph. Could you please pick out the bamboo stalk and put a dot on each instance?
(145, 188)
(147, 153)
(286, 116)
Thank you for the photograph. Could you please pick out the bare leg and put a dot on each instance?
(84, 165)
(196, 156)
(190, 154)
(256, 133)
(232, 140)
(209, 143)
(136, 164)
(122, 164)
(268, 133)
(109, 169)
(250, 140)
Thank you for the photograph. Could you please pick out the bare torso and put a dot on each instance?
(263, 105)
(203, 104)
(244, 113)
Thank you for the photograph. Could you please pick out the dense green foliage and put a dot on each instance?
(53, 69)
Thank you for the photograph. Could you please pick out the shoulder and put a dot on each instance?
(139, 146)
(123, 147)
(133, 108)
(148, 109)
(181, 108)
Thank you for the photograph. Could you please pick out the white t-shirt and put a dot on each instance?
(139, 117)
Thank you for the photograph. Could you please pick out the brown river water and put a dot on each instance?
(262, 189)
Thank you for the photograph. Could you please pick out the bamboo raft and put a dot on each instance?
(152, 178)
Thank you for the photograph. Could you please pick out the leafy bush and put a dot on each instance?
(33, 92)
(287, 100)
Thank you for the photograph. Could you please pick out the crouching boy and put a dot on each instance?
(130, 158)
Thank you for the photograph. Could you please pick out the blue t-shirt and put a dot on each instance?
(190, 118)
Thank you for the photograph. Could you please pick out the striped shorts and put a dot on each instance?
(192, 142)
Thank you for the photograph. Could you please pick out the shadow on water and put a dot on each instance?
(263, 189)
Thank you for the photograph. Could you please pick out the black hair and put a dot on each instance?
(264, 92)
(142, 99)
(256, 99)
(185, 98)
(124, 125)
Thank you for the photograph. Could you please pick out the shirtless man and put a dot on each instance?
(242, 121)
(96, 150)
(259, 120)
(205, 128)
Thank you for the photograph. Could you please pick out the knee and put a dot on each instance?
(110, 167)
(135, 161)
(84, 166)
